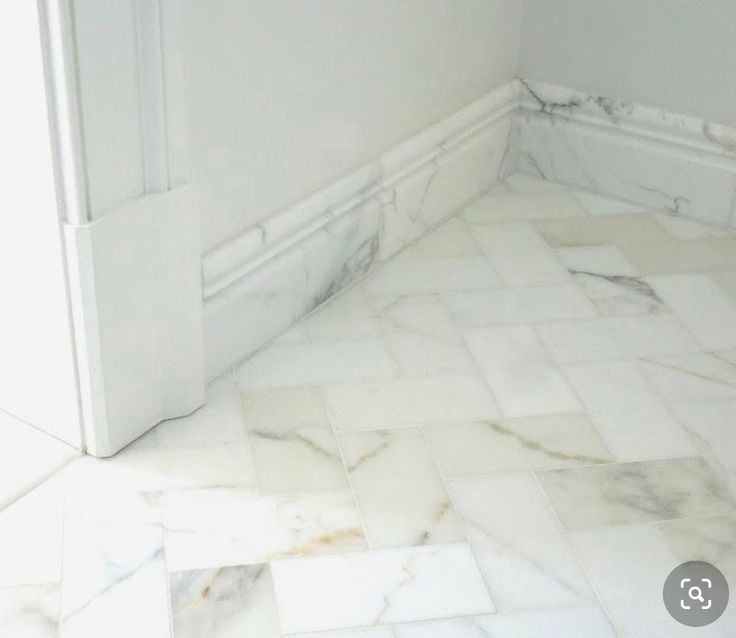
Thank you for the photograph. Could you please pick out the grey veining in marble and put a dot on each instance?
(399, 491)
(31, 611)
(619, 294)
(709, 375)
(709, 539)
(291, 441)
(256, 308)
(224, 602)
(691, 174)
(206, 528)
(378, 588)
(113, 552)
(464, 449)
(637, 492)
(443, 442)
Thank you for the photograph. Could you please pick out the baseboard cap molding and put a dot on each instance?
(256, 282)
(668, 161)
(262, 281)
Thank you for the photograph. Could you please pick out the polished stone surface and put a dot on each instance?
(517, 427)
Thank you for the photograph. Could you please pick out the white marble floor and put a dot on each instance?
(27, 457)
(516, 428)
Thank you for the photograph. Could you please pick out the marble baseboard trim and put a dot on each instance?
(651, 157)
(262, 281)
(258, 307)
(259, 283)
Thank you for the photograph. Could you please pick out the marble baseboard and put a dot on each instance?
(259, 306)
(670, 162)
(264, 280)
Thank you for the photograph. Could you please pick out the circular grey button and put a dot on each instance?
(696, 593)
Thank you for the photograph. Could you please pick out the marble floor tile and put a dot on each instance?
(620, 230)
(568, 622)
(291, 440)
(370, 632)
(603, 260)
(528, 205)
(156, 470)
(702, 255)
(609, 281)
(628, 566)
(234, 526)
(32, 558)
(617, 338)
(419, 355)
(523, 304)
(532, 571)
(519, 255)
(224, 602)
(113, 563)
(422, 337)
(635, 423)
(149, 441)
(31, 611)
(451, 239)
(405, 402)
(296, 334)
(708, 539)
(413, 313)
(691, 377)
(217, 422)
(316, 363)
(523, 379)
(502, 506)
(533, 402)
(597, 205)
(417, 276)
(681, 228)
(347, 316)
(531, 443)
(629, 493)
(522, 552)
(702, 306)
(712, 426)
(727, 282)
(27, 457)
(400, 494)
(379, 587)
(521, 183)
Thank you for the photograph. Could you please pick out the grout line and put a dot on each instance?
(62, 560)
(379, 263)
(566, 534)
(560, 368)
(246, 436)
(38, 481)
(351, 486)
(445, 483)
(460, 519)
(476, 364)
(697, 440)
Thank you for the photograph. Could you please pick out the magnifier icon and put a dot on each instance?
(695, 593)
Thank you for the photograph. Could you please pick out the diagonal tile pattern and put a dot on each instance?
(223, 602)
(622, 493)
(516, 427)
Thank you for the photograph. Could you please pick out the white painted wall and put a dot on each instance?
(37, 368)
(675, 54)
(106, 37)
(284, 98)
